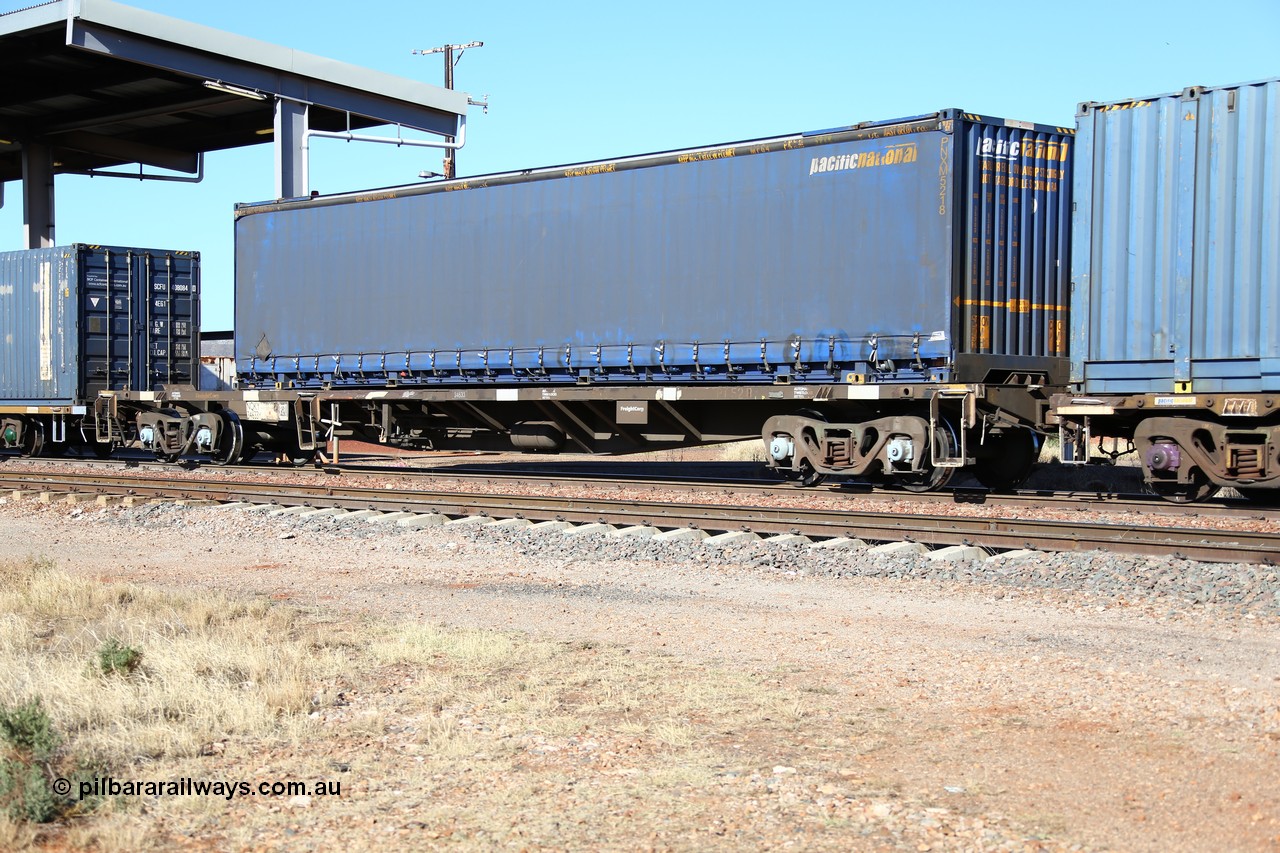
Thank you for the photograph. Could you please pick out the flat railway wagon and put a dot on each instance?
(884, 300)
(1175, 341)
(80, 320)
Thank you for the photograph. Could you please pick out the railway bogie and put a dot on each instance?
(916, 444)
(1187, 447)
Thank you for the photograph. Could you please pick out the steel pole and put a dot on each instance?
(450, 156)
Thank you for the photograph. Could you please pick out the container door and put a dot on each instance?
(1234, 309)
(1178, 228)
(1016, 181)
(1132, 259)
(107, 326)
(168, 351)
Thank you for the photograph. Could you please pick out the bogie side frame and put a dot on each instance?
(1189, 445)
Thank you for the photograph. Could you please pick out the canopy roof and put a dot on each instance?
(102, 84)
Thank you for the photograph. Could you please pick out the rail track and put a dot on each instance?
(738, 484)
(874, 527)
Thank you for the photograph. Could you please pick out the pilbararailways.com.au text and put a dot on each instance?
(109, 786)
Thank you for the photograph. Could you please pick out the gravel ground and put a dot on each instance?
(1163, 583)
(1087, 699)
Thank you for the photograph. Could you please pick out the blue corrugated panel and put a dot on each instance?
(825, 254)
(38, 324)
(1176, 266)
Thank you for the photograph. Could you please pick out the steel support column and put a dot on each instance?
(37, 196)
(291, 149)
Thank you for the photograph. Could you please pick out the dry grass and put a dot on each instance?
(459, 737)
(211, 668)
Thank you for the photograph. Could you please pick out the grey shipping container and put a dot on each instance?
(925, 248)
(1176, 254)
(79, 319)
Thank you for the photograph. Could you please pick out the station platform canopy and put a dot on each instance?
(94, 85)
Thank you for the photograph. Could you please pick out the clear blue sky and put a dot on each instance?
(580, 81)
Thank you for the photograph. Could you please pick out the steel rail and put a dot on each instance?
(494, 475)
(1102, 500)
(1199, 544)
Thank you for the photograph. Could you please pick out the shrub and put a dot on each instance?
(26, 774)
(117, 658)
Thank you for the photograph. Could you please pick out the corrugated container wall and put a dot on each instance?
(1176, 260)
(81, 319)
(857, 250)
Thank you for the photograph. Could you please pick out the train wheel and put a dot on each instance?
(931, 477)
(231, 448)
(1011, 456)
(803, 473)
(33, 439)
(1200, 488)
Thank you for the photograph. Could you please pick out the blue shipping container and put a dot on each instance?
(1176, 255)
(883, 251)
(79, 319)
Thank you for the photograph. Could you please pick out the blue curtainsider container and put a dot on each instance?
(79, 319)
(1176, 255)
(931, 248)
